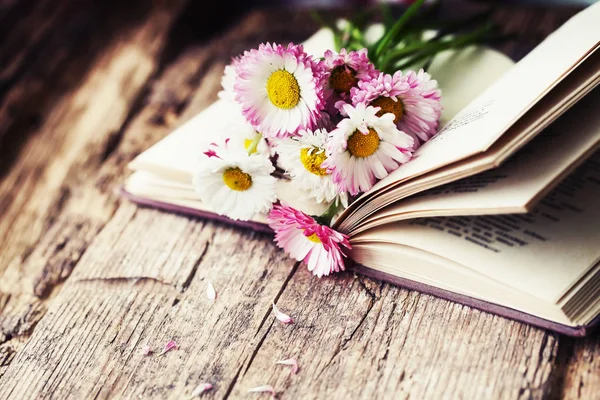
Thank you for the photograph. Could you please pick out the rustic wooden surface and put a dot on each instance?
(87, 279)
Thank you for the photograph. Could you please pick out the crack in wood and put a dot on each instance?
(260, 343)
(341, 346)
(57, 207)
(278, 295)
(114, 138)
(188, 281)
(22, 327)
(389, 328)
(233, 382)
(258, 347)
(64, 257)
(4, 299)
(558, 375)
(361, 281)
(142, 283)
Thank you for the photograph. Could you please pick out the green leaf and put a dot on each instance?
(430, 49)
(396, 28)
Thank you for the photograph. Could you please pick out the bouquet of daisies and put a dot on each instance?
(334, 126)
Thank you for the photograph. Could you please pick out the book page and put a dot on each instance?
(438, 272)
(519, 183)
(481, 123)
(543, 253)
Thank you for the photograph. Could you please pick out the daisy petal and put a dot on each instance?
(171, 345)
(286, 319)
(292, 362)
(201, 388)
(264, 389)
(211, 293)
(147, 350)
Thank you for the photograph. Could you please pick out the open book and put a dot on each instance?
(500, 210)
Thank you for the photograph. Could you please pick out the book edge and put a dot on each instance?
(492, 308)
(188, 211)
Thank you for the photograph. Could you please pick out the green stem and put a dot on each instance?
(395, 29)
(356, 34)
(408, 50)
(327, 216)
(254, 144)
(346, 35)
(427, 50)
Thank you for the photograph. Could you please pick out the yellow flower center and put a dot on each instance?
(342, 79)
(312, 160)
(389, 105)
(361, 145)
(236, 179)
(314, 238)
(283, 89)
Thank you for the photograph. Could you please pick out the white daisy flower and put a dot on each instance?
(228, 81)
(365, 148)
(234, 183)
(279, 89)
(303, 155)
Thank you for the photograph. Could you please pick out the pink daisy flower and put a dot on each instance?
(414, 99)
(304, 239)
(343, 72)
(279, 89)
(347, 68)
(365, 148)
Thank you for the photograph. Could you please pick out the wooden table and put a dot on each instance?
(88, 279)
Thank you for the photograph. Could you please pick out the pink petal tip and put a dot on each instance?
(264, 389)
(201, 388)
(286, 319)
(171, 345)
(291, 362)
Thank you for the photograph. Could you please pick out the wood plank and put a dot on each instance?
(151, 288)
(57, 210)
(356, 338)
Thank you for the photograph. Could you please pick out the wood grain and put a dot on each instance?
(86, 281)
